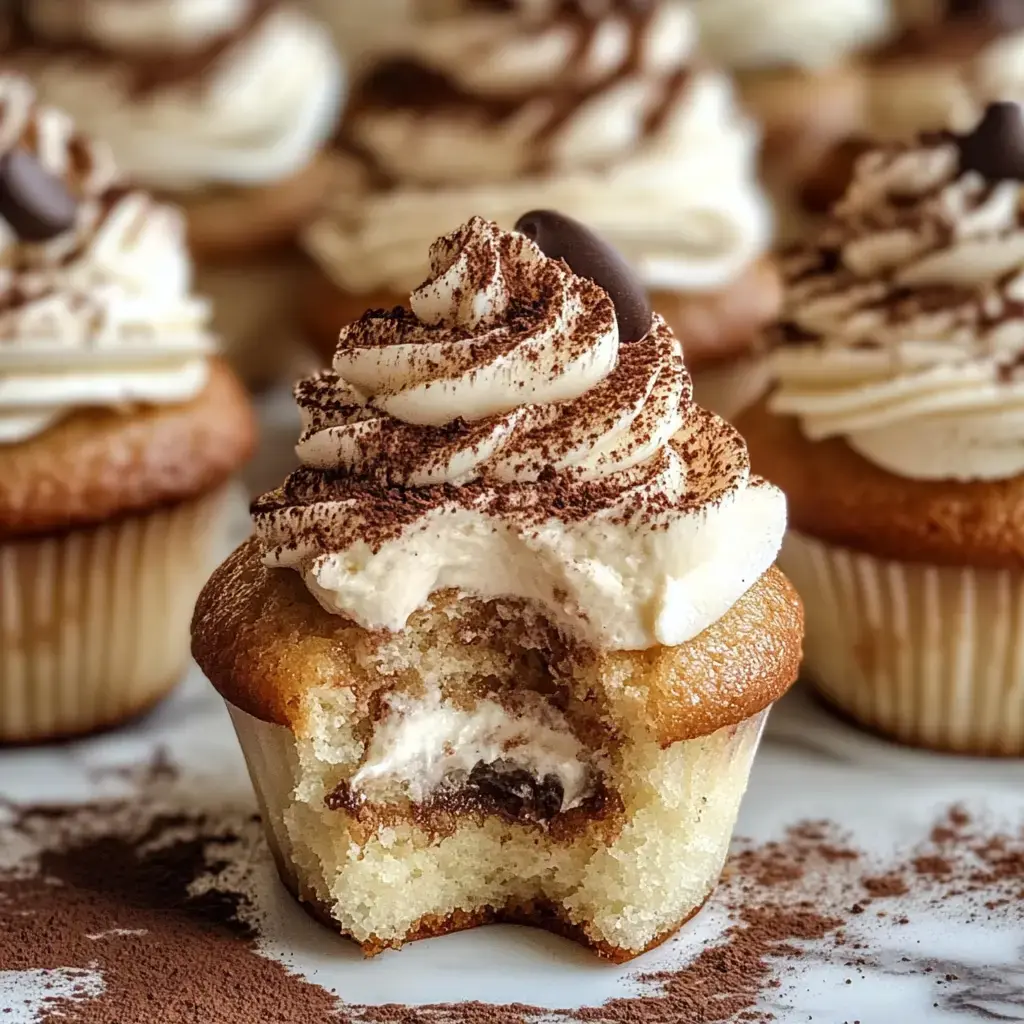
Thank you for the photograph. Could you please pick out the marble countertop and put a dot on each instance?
(810, 766)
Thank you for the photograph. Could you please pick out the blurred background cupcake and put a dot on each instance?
(601, 111)
(222, 105)
(897, 433)
(801, 69)
(118, 432)
(948, 60)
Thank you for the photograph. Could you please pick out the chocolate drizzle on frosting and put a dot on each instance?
(406, 83)
(904, 320)
(145, 69)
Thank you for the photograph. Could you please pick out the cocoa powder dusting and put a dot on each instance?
(160, 903)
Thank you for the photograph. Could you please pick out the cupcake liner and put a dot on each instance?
(254, 306)
(932, 656)
(728, 388)
(291, 797)
(95, 621)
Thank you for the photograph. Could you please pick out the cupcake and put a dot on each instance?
(950, 60)
(118, 432)
(503, 646)
(897, 433)
(800, 69)
(222, 107)
(600, 111)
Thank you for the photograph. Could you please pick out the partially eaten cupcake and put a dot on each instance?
(502, 648)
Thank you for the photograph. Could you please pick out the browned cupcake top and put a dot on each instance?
(99, 463)
(836, 495)
(268, 646)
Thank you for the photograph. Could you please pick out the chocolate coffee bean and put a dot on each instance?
(589, 256)
(36, 204)
(995, 149)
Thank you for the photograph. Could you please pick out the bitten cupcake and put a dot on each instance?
(897, 433)
(221, 106)
(801, 70)
(502, 647)
(598, 110)
(117, 433)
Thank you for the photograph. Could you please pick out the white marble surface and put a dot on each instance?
(809, 766)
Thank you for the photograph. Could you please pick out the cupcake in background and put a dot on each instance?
(221, 105)
(601, 112)
(897, 433)
(801, 69)
(118, 433)
(951, 58)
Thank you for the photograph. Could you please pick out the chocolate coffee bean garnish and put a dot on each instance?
(36, 204)
(995, 149)
(563, 238)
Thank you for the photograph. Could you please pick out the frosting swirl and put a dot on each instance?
(190, 92)
(600, 110)
(751, 34)
(904, 322)
(100, 313)
(498, 438)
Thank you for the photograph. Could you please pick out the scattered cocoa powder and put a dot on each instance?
(158, 901)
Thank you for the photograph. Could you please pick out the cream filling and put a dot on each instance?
(425, 741)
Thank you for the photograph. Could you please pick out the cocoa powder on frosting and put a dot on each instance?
(159, 901)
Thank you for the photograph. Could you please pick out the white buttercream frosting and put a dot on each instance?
(425, 743)
(498, 439)
(753, 34)
(904, 322)
(257, 94)
(102, 314)
(604, 115)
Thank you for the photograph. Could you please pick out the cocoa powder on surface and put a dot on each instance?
(159, 902)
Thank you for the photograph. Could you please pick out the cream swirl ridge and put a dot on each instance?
(99, 312)
(904, 326)
(499, 439)
(749, 34)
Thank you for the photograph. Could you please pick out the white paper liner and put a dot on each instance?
(928, 655)
(718, 770)
(254, 310)
(729, 387)
(94, 622)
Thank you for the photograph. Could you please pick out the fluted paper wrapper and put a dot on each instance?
(272, 757)
(95, 621)
(932, 656)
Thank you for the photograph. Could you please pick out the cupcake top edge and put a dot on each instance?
(605, 111)
(903, 326)
(190, 94)
(96, 307)
(517, 431)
